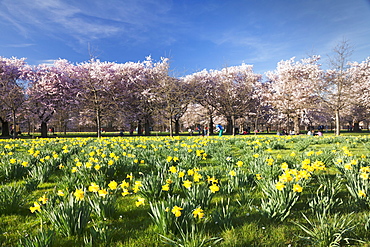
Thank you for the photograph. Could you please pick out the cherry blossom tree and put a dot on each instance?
(292, 87)
(204, 85)
(141, 81)
(234, 92)
(361, 76)
(12, 89)
(96, 93)
(50, 88)
(173, 96)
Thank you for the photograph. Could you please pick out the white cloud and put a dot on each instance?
(18, 45)
(85, 20)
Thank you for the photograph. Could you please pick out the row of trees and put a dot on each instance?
(142, 94)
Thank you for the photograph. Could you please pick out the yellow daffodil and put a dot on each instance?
(361, 193)
(232, 173)
(198, 212)
(364, 176)
(140, 201)
(176, 211)
(197, 177)
(173, 169)
(113, 185)
(239, 163)
(93, 187)
(279, 186)
(214, 188)
(166, 187)
(125, 192)
(35, 207)
(348, 166)
(297, 188)
(79, 194)
(102, 192)
(60, 193)
(43, 199)
(187, 184)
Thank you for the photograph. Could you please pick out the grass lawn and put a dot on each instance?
(252, 190)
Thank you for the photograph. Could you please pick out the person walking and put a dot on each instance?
(221, 129)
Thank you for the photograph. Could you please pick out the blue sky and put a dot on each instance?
(195, 34)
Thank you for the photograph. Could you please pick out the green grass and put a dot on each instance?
(132, 226)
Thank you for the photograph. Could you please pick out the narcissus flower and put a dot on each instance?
(214, 188)
(279, 186)
(35, 207)
(113, 185)
(354, 162)
(239, 163)
(187, 184)
(232, 173)
(60, 193)
(173, 169)
(361, 193)
(43, 199)
(348, 166)
(197, 177)
(176, 211)
(93, 187)
(212, 180)
(284, 166)
(190, 172)
(124, 184)
(140, 201)
(79, 194)
(102, 193)
(125, 192)
(166, 187)
(297, 188)
(198, 212)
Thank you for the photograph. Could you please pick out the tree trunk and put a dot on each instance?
(211, 123)
(356, 127)
(337, 123)
(229, 125)
(5, 128)
(44, 129)
(233, 125)
(14, 125)
(296, 125)
(177, 126)
(139, 128)
(98, 123)
(147, 126)
(171, 130)
(255, 124)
